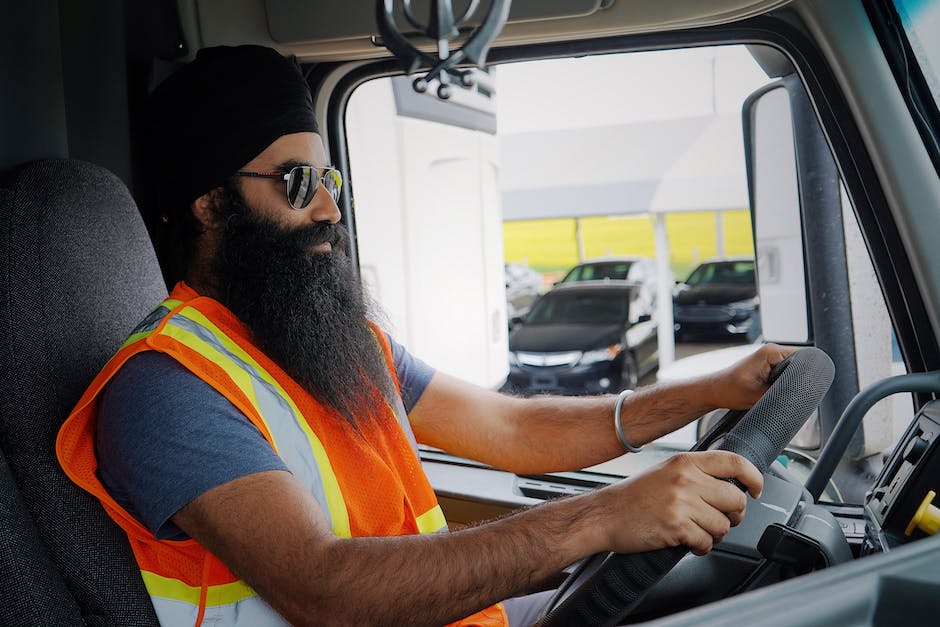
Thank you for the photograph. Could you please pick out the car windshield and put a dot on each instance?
(599, 271)
(919, 19)
(723, 273)
(568, 308)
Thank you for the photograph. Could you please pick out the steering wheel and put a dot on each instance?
(607, 587)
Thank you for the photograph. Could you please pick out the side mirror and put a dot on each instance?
(516, 321)
(774, 189)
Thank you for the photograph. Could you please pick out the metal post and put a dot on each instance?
(666, 332)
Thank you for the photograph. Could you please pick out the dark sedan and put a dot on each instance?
(583, 338)
(718, 299)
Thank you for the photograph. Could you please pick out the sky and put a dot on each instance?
(623, 88)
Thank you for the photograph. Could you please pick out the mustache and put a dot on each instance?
(318, 233)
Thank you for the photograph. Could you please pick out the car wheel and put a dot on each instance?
(629, 373)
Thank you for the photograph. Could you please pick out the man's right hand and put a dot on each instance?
(685, 500)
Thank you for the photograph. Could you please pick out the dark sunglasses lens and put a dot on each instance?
(301, 186)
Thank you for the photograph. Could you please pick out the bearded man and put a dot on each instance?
(256, 434)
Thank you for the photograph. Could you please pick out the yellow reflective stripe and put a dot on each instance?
(171, 303)
(241, 378)
(168, 588)
(432, 520)
(135, 337)
(331, 489)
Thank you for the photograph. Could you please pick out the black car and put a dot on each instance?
(634, 269)
(718, 299)
(583, 338)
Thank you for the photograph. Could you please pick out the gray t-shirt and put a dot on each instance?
(165, 436)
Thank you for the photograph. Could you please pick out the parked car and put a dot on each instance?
(639, 270)
(718, 299)
(636, 269)
(589, 337)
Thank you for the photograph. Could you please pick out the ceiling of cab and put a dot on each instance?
(326, 30)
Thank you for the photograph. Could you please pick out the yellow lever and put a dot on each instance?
(927, 517)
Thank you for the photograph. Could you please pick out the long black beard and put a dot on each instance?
(305, 310)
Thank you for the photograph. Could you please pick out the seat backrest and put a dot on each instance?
(77, 273)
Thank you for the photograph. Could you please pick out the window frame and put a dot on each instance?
(783, 30)
(903, 61)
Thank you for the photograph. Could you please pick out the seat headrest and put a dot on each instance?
(79, 269)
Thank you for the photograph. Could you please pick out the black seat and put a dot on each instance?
(78, 272)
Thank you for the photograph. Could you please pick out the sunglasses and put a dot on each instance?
(303, 181)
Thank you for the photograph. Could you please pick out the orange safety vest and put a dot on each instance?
(373, 487)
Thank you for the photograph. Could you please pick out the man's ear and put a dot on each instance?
(205, 209)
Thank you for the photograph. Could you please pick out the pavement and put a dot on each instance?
(687, 349)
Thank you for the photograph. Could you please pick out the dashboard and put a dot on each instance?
(902, 489)
(785, 535)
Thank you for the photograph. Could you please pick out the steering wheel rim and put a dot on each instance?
(607, 587)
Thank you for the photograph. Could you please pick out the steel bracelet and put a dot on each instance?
(623, 440)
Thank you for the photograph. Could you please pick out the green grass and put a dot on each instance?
(550, 246)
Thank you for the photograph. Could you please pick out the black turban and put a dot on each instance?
(216, 114)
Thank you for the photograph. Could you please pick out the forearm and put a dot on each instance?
(563, 433)
(546, 434)
(433, 579)
(270, 531)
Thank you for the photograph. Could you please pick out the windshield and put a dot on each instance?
(723, 273)
(562, 308)
(920, 20)
(599, 271)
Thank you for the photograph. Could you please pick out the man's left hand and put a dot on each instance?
(741, 385)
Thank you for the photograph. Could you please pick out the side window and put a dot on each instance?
(877, 354)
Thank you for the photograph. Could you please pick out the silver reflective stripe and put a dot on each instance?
(152, 321)
(398, 407)
(284, 425)
(250, 612)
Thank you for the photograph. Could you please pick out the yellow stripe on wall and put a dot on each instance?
(550, 246)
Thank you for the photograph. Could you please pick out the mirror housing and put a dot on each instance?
(776, 216)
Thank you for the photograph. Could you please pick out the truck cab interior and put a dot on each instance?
(842, 146)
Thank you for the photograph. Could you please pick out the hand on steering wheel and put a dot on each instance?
(663, 505)
(608, 586)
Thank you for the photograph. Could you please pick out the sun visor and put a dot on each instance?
(299, 21)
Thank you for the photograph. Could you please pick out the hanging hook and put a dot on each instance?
(441, 27)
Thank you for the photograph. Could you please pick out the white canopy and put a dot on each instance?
(689, 164)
